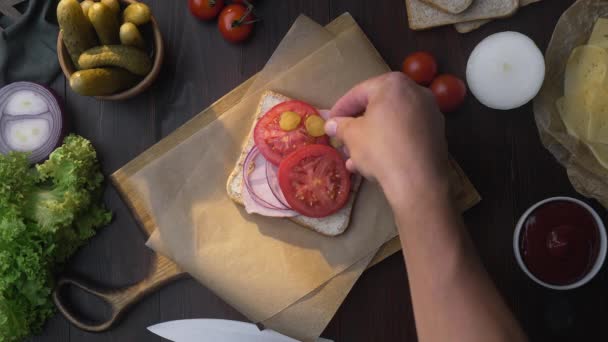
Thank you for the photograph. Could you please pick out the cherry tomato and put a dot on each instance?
(206, 9)
(235, 23)
(314, 181)
(449, 91)
(275, 143)
(421, 67)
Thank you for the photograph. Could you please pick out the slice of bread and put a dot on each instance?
(332, 225)
(470, 26)
(423, 16)
(450, 6)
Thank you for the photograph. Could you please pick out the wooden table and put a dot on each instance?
(500, 151)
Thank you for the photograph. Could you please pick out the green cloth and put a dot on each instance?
(27, 44)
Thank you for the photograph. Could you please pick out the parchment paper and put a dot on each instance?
(262, 265)
(307, 317)
(573, 29)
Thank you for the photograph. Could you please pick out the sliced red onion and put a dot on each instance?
(272, 177)
(254, 177)
(31, 120)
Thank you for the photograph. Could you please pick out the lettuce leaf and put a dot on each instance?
(46, 214)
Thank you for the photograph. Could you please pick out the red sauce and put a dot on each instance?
(559, 242)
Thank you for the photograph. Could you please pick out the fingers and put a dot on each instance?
(355, 100)
(337, 127)
(325, 113)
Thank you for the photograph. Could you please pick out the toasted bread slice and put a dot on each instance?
(331, 225)
(423, 16)
(450, 6)
(470, 26)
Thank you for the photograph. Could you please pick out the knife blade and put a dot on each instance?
(207, 330)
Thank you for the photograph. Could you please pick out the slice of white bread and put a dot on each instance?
(450, 6)
(470, 26)
(331, 225)
(423, 16)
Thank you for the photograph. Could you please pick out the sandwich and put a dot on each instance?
(289, 168)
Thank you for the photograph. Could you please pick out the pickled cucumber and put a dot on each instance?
(86, 5)
(112, 4)
(130, 35)
(105, 23)
(101, 81)
(78, 33)
(315, 126)
(126, 57)
(137, 13)
(289, 121)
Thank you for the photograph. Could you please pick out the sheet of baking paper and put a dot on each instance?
(573, 29)
(307, 318)
(303, 318)
(262, 265)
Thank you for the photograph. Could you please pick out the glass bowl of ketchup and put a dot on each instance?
(560, 243)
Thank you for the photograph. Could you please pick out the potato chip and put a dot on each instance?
(599, 36)
(600, 151)
(585, 104)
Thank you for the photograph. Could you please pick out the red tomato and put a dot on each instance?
(275, 143)
(235, 23)
(315, 181)
(206, 9)
(421, 67)
(449, 91)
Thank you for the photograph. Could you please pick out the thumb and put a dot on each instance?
(339, 126)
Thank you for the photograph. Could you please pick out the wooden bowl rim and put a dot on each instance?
(159, 54)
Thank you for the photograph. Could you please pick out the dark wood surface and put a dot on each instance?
(500, 152)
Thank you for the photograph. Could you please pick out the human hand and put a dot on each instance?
(394, 133)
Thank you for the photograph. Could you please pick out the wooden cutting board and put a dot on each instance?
(163, 270)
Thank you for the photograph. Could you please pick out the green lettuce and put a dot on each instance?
(46, 214)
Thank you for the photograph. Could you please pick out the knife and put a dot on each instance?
(207, 330)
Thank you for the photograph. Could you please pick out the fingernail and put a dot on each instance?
(350, 166)
(331, 127)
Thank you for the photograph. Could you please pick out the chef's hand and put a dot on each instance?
(394, 133)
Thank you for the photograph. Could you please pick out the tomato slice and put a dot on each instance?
(314, 180)
(275, 143)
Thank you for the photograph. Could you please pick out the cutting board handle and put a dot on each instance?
(163, 271)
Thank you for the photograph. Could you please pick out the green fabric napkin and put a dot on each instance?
(27, 44)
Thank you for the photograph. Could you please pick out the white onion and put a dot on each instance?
(505, 70)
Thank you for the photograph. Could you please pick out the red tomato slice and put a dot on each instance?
(314, 181)
(275, 143)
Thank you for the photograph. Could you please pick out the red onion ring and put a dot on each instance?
(253, 153)
(273, 182)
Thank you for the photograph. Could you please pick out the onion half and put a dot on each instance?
(31, 120)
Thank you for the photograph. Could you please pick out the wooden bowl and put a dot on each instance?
(158, 54)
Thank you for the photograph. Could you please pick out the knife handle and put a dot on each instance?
(120, 300)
